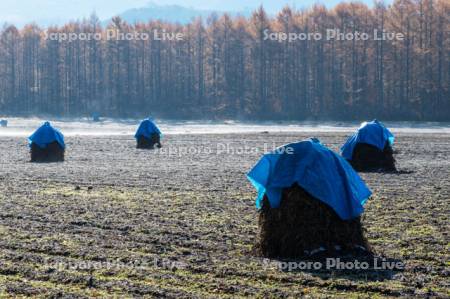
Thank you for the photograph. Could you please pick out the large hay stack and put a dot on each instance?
(303, 225)
(310, 200)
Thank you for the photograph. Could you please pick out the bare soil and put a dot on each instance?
(180, 221)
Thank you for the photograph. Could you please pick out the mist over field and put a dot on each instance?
(24, 127)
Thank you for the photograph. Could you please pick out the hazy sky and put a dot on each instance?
(56, 11)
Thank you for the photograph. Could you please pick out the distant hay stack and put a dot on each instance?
(370, 148)
(96, 117)
(148, 135)
(303, 225)
(47, 145)
(310, 200)
(3, 123)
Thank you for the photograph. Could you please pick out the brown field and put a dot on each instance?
(114, 221)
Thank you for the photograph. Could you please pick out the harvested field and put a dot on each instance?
(114, 221)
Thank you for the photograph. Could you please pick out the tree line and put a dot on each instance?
(237, 67)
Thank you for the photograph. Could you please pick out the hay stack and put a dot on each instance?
(367, 157)
(96, 117)
(3, 123)
(52, 153)
(149, 143)
(302, 224)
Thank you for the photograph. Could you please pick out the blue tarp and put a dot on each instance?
(373, 133)
(45, 135)
(147, 128)
(321, 172)
(96, 117)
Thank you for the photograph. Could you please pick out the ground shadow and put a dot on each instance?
(404, 171)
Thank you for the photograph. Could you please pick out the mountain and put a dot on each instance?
(271, 6)
(172, 13)
(183, 11)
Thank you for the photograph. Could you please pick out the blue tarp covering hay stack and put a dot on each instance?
(47, 144)
(148, 135)
(309, 199)
(370, 148)
(3, 123)
(96, 117)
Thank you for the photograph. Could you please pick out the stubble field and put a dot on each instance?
(114, 221)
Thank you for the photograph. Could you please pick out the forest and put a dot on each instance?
(226, 68)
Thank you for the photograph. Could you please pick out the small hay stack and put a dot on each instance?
(47, 145)
(52, 153)
(148, 135)
(149, 143)
(367, 157)
(370, 148)
(96, 117)
(294, 223)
